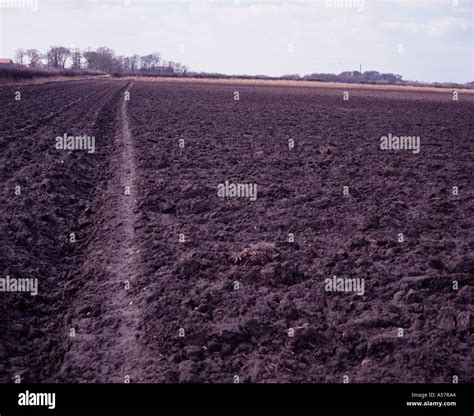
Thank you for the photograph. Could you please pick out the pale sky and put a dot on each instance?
(428, 40)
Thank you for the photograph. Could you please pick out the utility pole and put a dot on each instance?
(360, 68)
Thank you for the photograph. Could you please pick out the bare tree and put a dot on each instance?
(57, 56)
(134, 62)
(34, 57)
(126, 64)
(155, 59)
(120, 63)
(146, 62)
(76, 58)
(103, 59)
(20, 56)
(130, 63)
(172, 67)
(106, 58)
(91, 59)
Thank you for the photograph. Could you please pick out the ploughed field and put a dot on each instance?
(336, 259)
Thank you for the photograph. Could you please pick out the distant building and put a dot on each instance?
(6, 61)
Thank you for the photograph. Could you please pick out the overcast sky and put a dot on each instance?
(428, 40)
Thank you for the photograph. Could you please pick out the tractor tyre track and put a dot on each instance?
(105, 317)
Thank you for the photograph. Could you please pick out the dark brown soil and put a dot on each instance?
(236, 298)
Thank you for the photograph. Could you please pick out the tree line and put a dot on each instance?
(349, 76)
(102, 59)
